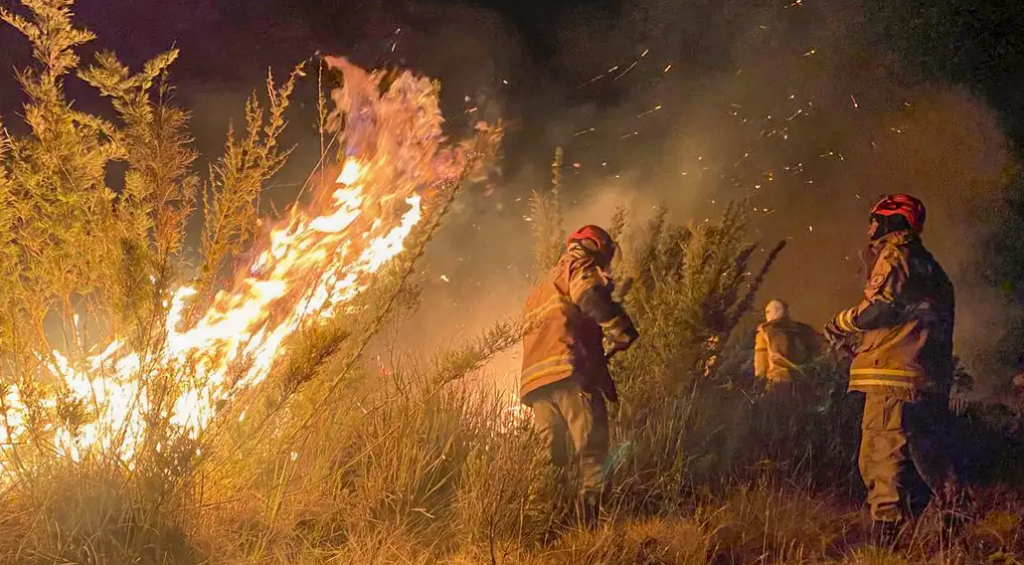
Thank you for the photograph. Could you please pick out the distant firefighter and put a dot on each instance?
(1018, 388)
(782, 346)
(903, 363)
(573, 328)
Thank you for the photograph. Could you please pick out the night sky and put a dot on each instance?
(230, 43)
(806, 107)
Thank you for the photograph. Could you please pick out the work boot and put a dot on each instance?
(885, 534)
(591, 510)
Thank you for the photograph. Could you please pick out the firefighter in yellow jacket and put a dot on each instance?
(573, 326)
(901, 338)
(782, 346)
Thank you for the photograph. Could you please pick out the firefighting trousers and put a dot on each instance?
(564, 409)
(905, 455)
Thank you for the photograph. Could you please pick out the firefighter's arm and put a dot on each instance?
(878, 308)
(761, 354)
(591, 290)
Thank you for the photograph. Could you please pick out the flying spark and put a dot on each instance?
(634, 64)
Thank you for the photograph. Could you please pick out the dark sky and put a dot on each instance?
(230, 43)
(807, 107)
(227, 45)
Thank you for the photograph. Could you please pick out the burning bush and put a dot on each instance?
(157, 416)
(115, 367)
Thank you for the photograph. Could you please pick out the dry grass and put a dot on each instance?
(332, 465)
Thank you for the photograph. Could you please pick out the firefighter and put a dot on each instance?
(901, 339)
(782, 347)
(1017, 383)
(573, 326)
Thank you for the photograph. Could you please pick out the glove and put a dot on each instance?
(613, 346)
(833, 334)
(838, 340)
(610, 349)
(619, 292)
(618, 336)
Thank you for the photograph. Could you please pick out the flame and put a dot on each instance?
(305, 269)
(242, 326)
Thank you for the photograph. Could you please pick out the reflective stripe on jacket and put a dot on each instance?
(560, 340)
(781, 347)
(905, 321)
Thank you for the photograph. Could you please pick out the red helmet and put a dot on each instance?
(901, 205)
(602, 240)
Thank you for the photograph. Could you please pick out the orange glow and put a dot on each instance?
(302, 271)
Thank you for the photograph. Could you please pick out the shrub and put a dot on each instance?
(323, 461)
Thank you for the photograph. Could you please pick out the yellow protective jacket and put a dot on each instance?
(782, 347)
(563, 340)
(905, 322)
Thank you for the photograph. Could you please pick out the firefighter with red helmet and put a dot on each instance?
(901, 339)
(573, 326)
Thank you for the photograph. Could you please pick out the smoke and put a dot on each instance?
(799, 106)
(794, 107)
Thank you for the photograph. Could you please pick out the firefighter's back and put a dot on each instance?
(548, 337)
(915, 351)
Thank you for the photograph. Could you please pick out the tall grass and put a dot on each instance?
(330, 462)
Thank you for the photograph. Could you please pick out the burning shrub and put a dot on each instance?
(111, 369)
(146, 421)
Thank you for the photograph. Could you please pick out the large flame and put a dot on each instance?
(316, 260)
